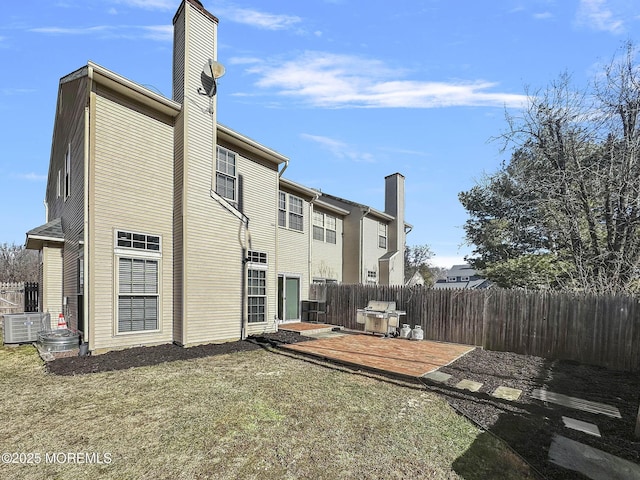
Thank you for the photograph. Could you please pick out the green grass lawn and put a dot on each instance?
(254, 414)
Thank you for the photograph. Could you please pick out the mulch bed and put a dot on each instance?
(526, 425)
(146, 356)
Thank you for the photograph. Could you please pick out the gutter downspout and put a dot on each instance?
(310, 263)
(365, 212)
(286, 164)
(87, 291)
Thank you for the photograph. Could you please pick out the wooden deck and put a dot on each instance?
(397, 356)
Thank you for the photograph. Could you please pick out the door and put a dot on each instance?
(288, 298)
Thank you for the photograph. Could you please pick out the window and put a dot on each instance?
(256, 257)
(138, 241)
(67, 172)
(372, 277)
(382, 235)
(464, 279)
(452, 279)
(296, 219)
(318, 226)
(330, 229)
(282, 209)
(58, 185)
(226, 174)
(324, 227)
(291, 212)
(257, 296)
(137, 295)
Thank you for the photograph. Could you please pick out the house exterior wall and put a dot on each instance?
(326, 258)
(257, 183)
(371, 252)
(131, 190)
(52, 281)
(214, 234)
(65, 196)
(351, 243)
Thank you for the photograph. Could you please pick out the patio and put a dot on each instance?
(386, 355)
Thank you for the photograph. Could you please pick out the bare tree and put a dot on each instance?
(570, 194)
(17, 264)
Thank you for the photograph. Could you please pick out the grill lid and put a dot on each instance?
(380, 306)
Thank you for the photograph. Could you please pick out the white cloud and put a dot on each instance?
(542, 15)
(334, 81)
(159, 32)
(151, 4)
(153, 32)
(255, 18)
(597, 15)
(72, 31)
(16, 91)
(31, 177)
(339, 149)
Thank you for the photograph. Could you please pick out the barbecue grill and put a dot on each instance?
(380, 317)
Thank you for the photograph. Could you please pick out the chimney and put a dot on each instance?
(195, 41)
(394, 206)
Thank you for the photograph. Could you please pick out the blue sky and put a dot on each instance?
(349, 90)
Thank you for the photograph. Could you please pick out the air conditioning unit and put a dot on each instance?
(23, 327)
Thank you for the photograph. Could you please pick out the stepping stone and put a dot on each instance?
(507, 393)
(581, 426)
(439, 377)
(577, 403)
(469, 385)
(591, 462)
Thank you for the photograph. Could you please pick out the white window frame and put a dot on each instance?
(382, 235)
(226, 171)
(141, 251)
(318, 226)
(282, 209)
(290, 212)
(296, 213)
(331, 221)
(256, 294)
(464, 279)
(67, 172)
(120, 295)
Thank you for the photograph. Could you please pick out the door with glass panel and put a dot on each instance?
(288, 298)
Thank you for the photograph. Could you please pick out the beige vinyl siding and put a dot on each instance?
(212, 236)
(294, 248)
(371, 252)
(132, 191)
(178, 244)
(326, 257)
(69, 136)
(178, 232)
(52, 282)
(258, 194)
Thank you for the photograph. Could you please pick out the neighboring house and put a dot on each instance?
(462, 276)
(416, 280)
(162, 225)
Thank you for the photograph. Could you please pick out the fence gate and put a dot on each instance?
(30, 297)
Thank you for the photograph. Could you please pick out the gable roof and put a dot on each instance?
(49, 232)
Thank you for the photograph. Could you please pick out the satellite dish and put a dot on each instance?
(211, 71)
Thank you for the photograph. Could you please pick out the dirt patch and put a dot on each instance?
(528, 425)
(146, 356)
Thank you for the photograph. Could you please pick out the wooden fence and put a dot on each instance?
(592, 329)
(18, 297)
